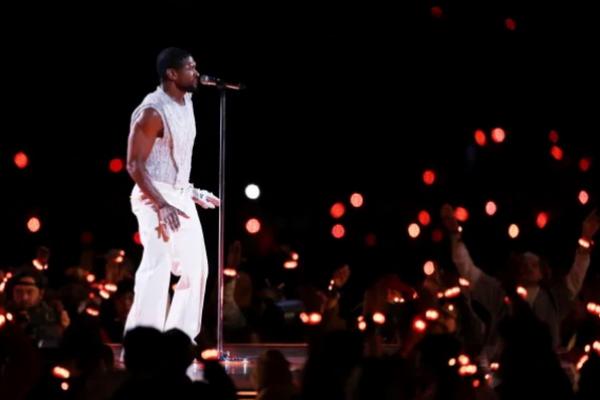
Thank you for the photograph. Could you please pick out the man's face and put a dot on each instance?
(530, 271)
(186, 77)
(43, 255)
(123, 304)
(26, 295)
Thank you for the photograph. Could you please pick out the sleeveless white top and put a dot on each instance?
(170, 160)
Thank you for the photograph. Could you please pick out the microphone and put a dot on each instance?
(207, 80)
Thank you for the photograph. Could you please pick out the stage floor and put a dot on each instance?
(240, 362)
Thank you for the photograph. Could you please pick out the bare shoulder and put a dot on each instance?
(149, 115)
(149, 121)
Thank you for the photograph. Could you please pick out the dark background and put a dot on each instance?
(338, 100)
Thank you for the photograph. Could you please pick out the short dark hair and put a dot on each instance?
(171, 57)
(29, 272)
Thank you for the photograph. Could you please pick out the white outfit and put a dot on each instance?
(184, 254)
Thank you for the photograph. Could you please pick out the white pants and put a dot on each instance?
(183, 254)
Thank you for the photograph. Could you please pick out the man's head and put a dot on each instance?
(27, 289)
(528, 269)
(124, 298)
(177, 66)
(43, 254)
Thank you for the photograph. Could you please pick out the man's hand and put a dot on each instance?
(205, 199)
(168, 216)
(590, 225)
(448, 219)
(341, 275)
(234, 255)
(65, 321)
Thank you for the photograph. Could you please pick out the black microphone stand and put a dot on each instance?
(223, 87)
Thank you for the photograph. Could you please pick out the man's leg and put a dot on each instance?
(189, 253)
(151, 290)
